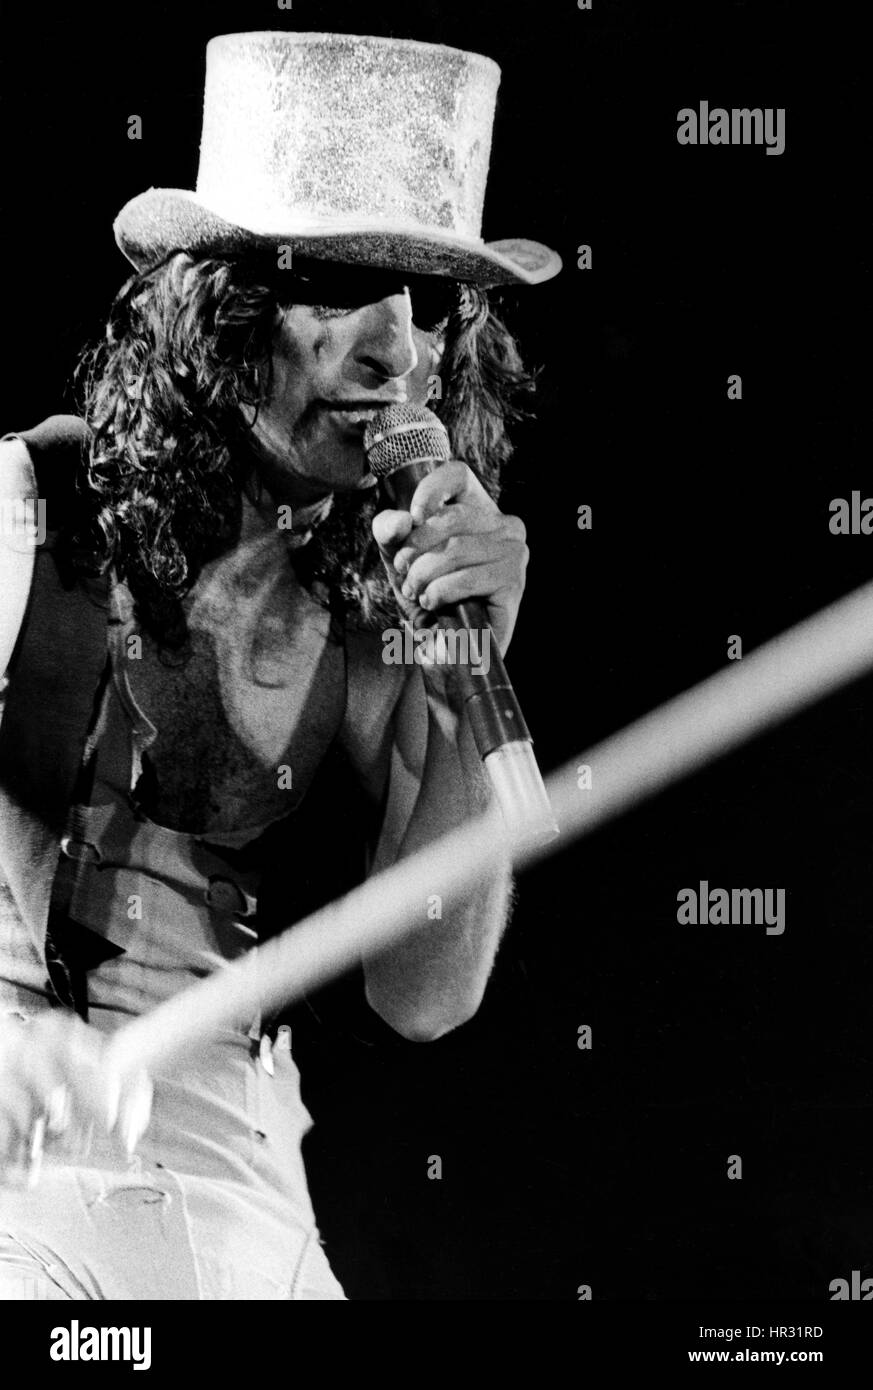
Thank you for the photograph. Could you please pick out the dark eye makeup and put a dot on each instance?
(334, 290)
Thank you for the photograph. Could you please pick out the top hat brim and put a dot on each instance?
(163, 220)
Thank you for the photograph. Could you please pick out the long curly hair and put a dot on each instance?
(169, 394)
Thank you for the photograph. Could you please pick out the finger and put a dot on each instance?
(135, 1110)
(20, 1107)
(390, 530)
(46, 1080)
(59, 1109)
(94, 1089)
(454, 521)
(93, 1102)
(31, 1072)
(23, 1125)
(37, 1144)
(487, 582)
(450, 482)
(459, 552)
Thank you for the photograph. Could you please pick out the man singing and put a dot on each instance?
(198, 640)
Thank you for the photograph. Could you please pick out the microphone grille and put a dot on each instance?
(400, 435)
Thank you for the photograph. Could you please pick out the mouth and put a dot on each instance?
(357, 414)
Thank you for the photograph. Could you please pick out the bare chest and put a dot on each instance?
(241, 722)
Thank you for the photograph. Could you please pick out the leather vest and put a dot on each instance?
(53, 683)
(51, 704)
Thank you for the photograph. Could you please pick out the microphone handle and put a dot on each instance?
(498, 725)
(492, 705)
(500, 731)
(494, 711)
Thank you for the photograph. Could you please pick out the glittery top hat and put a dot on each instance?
(367, 151)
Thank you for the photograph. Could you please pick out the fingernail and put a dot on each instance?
(424, 600)
(265, 1051)
(283, 1038)
(401, 564)
(407, 591)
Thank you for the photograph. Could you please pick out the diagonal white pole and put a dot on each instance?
(803, 665)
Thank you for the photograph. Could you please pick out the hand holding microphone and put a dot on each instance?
(449, 553)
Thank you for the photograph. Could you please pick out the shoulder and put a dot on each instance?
(39, 468)
(53, 434)
(46, 459)
(17, 474)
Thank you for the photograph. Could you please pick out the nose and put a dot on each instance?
(385, 344)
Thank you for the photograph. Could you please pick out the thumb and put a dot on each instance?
(390, 530)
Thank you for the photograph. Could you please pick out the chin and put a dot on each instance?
(348, 474)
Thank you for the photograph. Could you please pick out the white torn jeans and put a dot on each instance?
(214, 1204)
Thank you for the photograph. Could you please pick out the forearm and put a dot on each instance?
(435, 979)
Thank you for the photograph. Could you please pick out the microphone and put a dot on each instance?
(403, 444)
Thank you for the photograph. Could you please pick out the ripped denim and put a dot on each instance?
(85, 1233)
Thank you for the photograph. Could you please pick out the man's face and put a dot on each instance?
(354, 342)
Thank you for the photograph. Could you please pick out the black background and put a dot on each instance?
(563, 1167)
